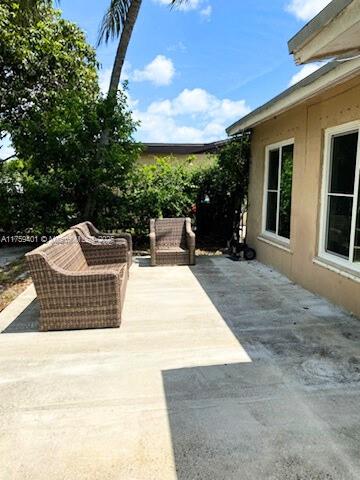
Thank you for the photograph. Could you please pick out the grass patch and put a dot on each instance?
(14, 278)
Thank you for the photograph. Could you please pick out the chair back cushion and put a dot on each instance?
(84, 228)
(170, 232)
(63, 251)
(93, 231)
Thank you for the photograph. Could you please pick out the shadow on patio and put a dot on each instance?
(27, 321)
(222, 371)
(278, 417)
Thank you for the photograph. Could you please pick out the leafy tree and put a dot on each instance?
(223, 192)
(56, 115)
(162, 189)
(39, 60)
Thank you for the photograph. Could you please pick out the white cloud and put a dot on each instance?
(206, 12)
(193, 116)
(306, 9)
(304, 72)
(160, 71)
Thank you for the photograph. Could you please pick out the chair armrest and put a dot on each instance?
(103, 252)
(152, 237)
(86, 288)
(191, 242)
(190, 235)
(103, 274)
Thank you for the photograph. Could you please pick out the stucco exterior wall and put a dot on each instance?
(306, 124)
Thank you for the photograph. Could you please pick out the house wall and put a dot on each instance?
(306, 124)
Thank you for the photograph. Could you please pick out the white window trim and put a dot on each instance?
(322, 253)
(266, 233)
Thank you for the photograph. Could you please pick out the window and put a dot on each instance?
(278, 189)
(340, 220)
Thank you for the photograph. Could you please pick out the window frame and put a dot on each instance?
(346, 128)
(268, 149)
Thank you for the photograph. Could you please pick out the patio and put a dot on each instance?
(222, 371)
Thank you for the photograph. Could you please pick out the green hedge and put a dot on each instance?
(211, 195)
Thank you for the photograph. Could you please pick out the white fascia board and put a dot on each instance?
(332, 74)
(338, 37)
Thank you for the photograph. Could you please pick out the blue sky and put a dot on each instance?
(194, 71)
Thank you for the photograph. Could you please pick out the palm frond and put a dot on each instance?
(174, 3)
(114, 20)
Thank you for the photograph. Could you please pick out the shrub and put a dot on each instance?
(222, 192)
(158, 190)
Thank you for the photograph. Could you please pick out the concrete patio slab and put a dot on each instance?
(225, 370)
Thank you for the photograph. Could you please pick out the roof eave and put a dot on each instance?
(328, 76)
(318, 23)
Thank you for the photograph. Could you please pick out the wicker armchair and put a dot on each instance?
(172, 242)
(88, 229)
(79, 284)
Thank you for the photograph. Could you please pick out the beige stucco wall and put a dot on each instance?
(306, 124)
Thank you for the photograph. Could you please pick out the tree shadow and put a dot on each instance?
(27, 321)
(143, 261)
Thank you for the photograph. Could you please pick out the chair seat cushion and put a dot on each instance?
(112, 267)
(172, 256)
(171, 249)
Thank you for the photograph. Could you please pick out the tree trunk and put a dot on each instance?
(123, 45)
(114, 86)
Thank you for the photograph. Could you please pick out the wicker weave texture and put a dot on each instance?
(90, 230)
(172, 242)
(116, 250)
(72, 293)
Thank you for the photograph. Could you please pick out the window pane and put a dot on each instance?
(271, 212)
(339, 225)
(357, 234)
(273, 182)
(285, 190)
(343, 162)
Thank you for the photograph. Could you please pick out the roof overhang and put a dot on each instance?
(334, 32)
(330, 75)
(182, 148)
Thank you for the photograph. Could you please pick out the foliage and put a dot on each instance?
(285, 189)
(66, 167)
(142, 192)
(162, 189)
(39, 60)
(56, 118)
(165, 189)
(76, 149)
(223, 192)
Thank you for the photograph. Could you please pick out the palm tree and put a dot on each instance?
(119, 20)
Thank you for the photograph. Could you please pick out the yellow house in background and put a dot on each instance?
(191, 154)
(304, 192)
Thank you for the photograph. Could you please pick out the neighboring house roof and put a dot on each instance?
(331, 74)
(333, 32)
(182, 148)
